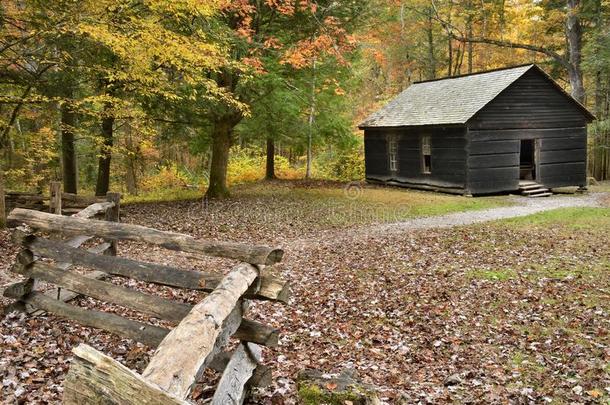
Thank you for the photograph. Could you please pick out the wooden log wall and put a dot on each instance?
(202, 332)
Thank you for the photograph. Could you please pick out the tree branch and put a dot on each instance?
(507, 44)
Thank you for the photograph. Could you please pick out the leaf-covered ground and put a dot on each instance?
(510, 311)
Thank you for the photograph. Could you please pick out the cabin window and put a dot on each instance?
(426, 154)
(393, 153)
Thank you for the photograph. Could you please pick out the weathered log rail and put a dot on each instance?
(56, 201)
(201, 333)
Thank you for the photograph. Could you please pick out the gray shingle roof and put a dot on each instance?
(447, 101)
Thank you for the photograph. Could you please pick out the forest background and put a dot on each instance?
(178, 98)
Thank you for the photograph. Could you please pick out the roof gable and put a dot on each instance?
(451, 101)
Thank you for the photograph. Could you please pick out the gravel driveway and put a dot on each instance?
(523, 206)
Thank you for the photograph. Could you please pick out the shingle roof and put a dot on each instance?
(445, 101)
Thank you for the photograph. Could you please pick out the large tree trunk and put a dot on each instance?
(221, 145)
(574, 39)
(270, 168)
(68, 152)
(103, 172)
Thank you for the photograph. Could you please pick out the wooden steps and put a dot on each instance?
(532, 189)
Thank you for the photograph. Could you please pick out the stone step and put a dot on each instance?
(540, 195)
(535, 191)
(530, 187)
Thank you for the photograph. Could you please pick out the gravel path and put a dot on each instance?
(522, 207)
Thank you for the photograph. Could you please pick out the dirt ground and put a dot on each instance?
(506, 311)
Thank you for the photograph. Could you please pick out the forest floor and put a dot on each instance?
(434, 310)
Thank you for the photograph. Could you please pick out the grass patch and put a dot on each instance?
(330, 204)
(166, 195)
(573, 218)
(492, 275)
(336, 204)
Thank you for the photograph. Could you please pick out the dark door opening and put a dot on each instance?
(527, 163)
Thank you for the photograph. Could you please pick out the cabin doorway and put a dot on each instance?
(527, 161)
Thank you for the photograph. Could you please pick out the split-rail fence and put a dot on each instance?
(202, 332)
(56, 201)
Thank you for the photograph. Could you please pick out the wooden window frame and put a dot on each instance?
(393, 153)
(426, 151)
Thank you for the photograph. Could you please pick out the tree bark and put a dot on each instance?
(470, 45)
(270, 168)
(2, 199)
(574, 40)
(431, 53)
(131, 178)
(103, 172)
(97, 378)
(175, 369)
(311, 121)
(221, 145)
(68, 152)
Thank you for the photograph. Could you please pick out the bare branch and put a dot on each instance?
(507, 44)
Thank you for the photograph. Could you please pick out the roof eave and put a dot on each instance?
(454, 124)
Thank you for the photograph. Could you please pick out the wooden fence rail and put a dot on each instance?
(56, 201)
(202, 331)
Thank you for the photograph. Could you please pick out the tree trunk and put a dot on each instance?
(312, 118)
(431, 56)
(131, 178)
(270, 169)
(103, 172)
(469, 36)
(574, 39)
(221, 144)
(68, 152)
(2, 199)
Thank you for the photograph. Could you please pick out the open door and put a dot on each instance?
(527, 163)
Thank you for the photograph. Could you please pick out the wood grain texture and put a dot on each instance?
(232, 387)
(169, 240)
(55, 199)
(175, 369)
(93, 210)
(105, 291)
(148, 334)
(271, 288)
(95, 378)
(256, 332)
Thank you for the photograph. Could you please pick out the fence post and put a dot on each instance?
(113, 215)
(55, 199)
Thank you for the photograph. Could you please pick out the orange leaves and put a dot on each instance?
(254, 63)
(333, 41)
(272, 43)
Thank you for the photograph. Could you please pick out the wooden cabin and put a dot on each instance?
(490, 132)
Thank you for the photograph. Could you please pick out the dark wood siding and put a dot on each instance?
(448, 156)
(375, 152)
(563, 160)
(531, 102)
(493, 162)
